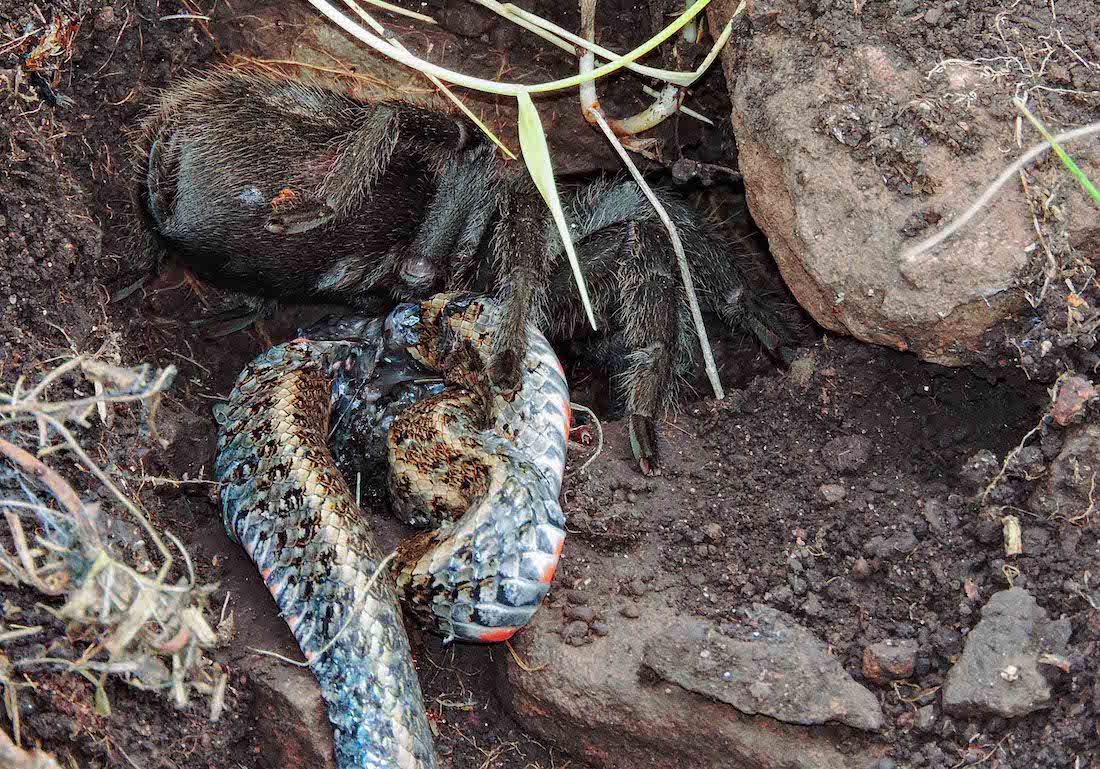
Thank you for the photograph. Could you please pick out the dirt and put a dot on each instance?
(748, 512)
(742, 514)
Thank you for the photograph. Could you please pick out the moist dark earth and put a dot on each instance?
(834, 489)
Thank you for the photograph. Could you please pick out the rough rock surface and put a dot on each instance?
(1000, 672)
(769, 665)
(675, 692)
(853, 149)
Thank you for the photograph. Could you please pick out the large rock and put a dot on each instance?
(851, 155)
(1000, 671)
(670, 692)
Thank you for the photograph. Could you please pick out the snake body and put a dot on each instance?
(482, 466)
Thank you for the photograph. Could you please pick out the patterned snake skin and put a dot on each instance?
(485, 467)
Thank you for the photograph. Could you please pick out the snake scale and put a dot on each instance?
(482, 466)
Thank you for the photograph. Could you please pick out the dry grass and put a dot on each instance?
(108, 571)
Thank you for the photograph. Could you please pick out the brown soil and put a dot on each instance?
(752, 466)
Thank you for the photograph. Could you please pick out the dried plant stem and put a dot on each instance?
(983, 200)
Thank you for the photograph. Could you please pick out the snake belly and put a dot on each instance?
(482, 466)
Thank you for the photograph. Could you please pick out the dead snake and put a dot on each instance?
(482, 465)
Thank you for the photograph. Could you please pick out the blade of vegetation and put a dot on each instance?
(377, 27)
(532, 142)
(386, 48)
(1067, 161)
(402, 11)
(590, 105)
(568, 42)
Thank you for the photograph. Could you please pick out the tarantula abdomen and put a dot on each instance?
(288, 191)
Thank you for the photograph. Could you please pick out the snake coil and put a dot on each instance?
(483, 467)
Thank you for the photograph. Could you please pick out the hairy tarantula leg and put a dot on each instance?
(522, 263)
(236, 319)
(364, 156)
(656, 331)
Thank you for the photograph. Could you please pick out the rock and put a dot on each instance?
(713, 532)
(574, 632)
(899, 544)
(861, 569)
(293, 726)
(926, 718)
(676, 694)
(772, 666)
(843, 181)
(848, 453)
(934, 512)
(812, 606)
(801, 371)
(981, 468)
(999, 671)
(1074, 393)
(889, 660)
(630, 611)
(585, 614)
(832, 492)
(1069, 487)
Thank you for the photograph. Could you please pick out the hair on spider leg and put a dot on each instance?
(295, 193)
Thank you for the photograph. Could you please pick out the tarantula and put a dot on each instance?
(298, 193)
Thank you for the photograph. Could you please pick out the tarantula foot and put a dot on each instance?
(643, 442)
(504, 370)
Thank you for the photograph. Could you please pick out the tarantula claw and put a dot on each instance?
(504, 370)
(643, 442)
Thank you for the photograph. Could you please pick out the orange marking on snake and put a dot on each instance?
(497, 634)
(548, 572)
(568, 418)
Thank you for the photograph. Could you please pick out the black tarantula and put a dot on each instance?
(298, 193)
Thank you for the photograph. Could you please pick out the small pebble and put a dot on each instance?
(600, 628)
(574, 632)
(630, 611)
(584, 614)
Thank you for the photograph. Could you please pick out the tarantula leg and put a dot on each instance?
(235, 318)
(522, 263)
(653, 319)
(643, 442)
(365, 155)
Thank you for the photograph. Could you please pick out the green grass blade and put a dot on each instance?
(616, 64)
(1067, 161)
(532, 142)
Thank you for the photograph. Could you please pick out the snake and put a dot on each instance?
(477, 468)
